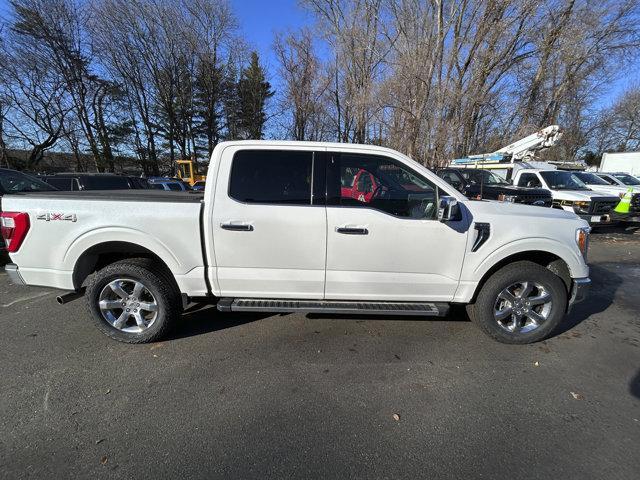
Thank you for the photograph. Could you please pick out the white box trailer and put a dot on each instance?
(628, 162)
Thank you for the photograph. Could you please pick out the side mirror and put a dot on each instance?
(448, 209)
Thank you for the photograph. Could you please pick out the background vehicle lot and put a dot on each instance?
(272, 396)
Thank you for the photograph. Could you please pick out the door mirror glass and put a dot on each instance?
(448, 209)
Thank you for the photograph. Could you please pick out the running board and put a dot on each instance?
(422, 309)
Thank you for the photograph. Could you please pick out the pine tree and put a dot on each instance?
(253, 92)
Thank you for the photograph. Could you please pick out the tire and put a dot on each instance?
(530, 320)
(151, 314)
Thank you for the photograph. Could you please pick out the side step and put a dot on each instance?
(423, 309)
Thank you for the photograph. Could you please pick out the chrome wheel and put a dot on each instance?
(127, 305)
(522, 307)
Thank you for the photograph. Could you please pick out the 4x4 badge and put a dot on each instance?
(49, 217)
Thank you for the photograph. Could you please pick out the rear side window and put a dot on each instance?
(271, 176)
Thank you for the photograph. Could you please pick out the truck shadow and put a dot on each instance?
(200, 319)
(634, 385)
(604, 285)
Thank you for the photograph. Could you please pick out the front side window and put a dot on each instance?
(272, 177)
(105, 182)
(529, 180)
(381, 183)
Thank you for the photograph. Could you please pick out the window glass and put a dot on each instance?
(13, 182)
(608, 179)
(626, 179)
(60, 183)
(483, 177)
(105, 182)
(452, 179)
(271, 176)
(529, 180)
(381, 183)
(175, 187)
(590, 178)
(561, 180)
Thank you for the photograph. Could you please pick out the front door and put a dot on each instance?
(388, 245)
(269, 224)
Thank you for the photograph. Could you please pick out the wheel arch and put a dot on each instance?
(99, 255)
(546, 259)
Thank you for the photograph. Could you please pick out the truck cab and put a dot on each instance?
(570, 194)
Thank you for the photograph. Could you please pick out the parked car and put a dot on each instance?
(94, 181)
(12, 181)
(166, 183)
(199, 186)
(599, 184)
(475, 183)
(279, 234)
(570, 194)
(621, 179)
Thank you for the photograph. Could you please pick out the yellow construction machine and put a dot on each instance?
(186, 171)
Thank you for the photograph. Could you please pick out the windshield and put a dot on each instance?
(477, 177)
(559, 180)
(590, 178)
(627, 179)
(15, 182)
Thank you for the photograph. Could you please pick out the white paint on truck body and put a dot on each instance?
(294, 251)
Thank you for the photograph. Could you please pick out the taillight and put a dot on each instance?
(14, 227)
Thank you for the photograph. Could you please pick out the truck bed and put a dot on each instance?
(121, 195)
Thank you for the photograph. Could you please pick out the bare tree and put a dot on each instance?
(305, 84)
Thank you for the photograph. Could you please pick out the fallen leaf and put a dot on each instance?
(98, 442)
(536, 364)
(104, 460)
(396, 417)
(577, 396)
(108, 391)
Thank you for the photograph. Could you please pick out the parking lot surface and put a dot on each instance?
(248, 396)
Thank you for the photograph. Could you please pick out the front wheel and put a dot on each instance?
(521, 303)
(133, 301)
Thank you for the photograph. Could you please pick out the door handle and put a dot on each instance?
(237, 227)
(352, 230)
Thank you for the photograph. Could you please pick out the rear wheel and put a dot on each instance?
(133, 301)
(520, 303)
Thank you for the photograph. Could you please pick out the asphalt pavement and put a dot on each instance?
(295, 396)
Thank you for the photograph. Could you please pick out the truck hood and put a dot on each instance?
(608, 190)
(516, 210)
(511, 190)
(577, 195)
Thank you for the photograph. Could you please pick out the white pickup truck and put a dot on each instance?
(571, 194)
(278, 229)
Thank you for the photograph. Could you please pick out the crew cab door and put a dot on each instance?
(389, 245)
(269, 224)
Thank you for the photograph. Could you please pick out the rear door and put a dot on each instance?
(269, 223)
(389, 245)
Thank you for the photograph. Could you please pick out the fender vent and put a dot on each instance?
(484, 230)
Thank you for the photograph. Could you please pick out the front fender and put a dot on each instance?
(572, 257)
(478, 264)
